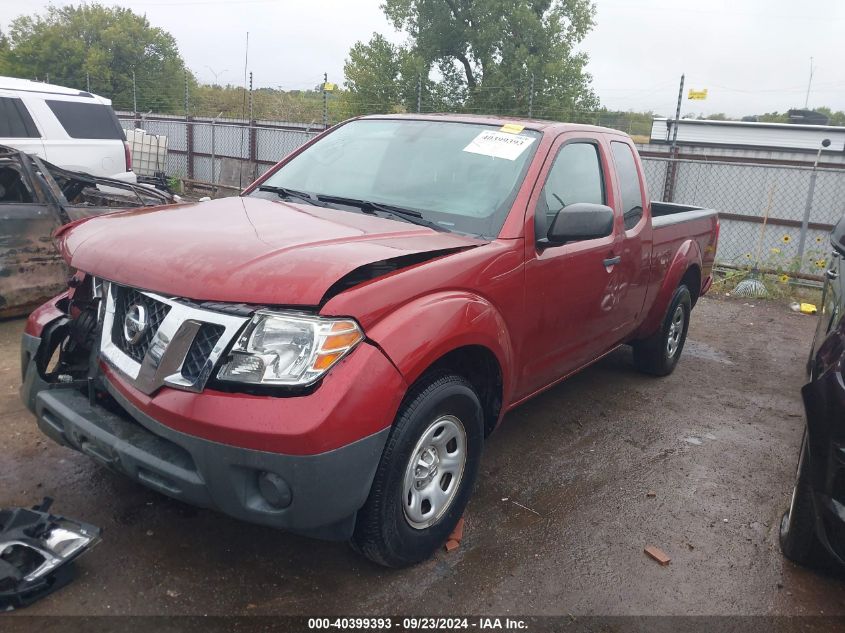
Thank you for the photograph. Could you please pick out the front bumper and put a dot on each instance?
(313, 494)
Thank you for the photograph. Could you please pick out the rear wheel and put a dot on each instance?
(426, 473)
(658, 354)
(798, 540)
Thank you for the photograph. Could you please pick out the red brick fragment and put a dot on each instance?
(452, 545)
(458, 533)
(658, 554)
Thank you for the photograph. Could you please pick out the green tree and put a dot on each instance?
(4, 54)
(73, 45)
(384, 77)
(486, 54)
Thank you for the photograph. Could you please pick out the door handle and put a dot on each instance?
(831, 274)
(612, 261)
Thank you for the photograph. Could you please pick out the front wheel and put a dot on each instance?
(426, 473)
(659, 354)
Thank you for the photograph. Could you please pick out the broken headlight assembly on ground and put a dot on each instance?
(288, 349)
(36, 549)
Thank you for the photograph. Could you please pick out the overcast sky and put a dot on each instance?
(753, 56)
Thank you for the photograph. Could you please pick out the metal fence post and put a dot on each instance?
(671, 169)
(189, 146)
(531, 98)
(811, 191)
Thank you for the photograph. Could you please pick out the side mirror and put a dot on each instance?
(579, 221)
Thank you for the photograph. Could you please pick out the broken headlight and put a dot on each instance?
(289, 349)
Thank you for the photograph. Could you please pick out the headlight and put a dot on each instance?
(287, 349)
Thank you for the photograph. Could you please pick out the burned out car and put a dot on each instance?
(36, 198)
(814, 526)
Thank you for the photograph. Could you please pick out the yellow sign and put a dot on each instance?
(512, 128)
(697, 95)
(329, 87)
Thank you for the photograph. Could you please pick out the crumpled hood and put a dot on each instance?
(242, 250)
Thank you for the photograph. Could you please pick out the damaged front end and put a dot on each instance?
(36, 552)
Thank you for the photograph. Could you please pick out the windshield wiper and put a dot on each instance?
(370, 207)
(284, 192)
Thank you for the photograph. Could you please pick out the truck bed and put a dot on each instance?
(666, 213)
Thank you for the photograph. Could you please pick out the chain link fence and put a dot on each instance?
(222, 152)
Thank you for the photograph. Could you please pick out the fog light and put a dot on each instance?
(275, 490)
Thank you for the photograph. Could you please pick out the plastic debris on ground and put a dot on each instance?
(37, 550)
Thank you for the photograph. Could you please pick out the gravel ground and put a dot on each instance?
(558, 522)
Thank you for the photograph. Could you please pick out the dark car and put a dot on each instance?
(814, 525)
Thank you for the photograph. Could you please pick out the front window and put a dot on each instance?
(460, 177)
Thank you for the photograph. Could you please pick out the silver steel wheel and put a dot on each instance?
(433, 474)
(676, 331)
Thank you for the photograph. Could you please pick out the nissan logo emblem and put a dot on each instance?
(135, 324)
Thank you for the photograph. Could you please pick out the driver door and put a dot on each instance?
(570, 288)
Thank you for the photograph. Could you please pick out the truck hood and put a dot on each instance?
(246, 250)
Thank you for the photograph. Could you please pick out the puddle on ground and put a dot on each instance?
(704, 351)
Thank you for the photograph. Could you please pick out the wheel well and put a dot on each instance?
(692, 280)
(478, 365)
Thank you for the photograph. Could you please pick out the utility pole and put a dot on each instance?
(809, 85)
(419, 93)
(531, 98)
(325, 101)
(669, 183)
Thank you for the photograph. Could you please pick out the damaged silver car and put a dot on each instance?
(36, 198)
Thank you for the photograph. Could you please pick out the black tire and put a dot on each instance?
(651, 355)
(798, 540)
(383, 533)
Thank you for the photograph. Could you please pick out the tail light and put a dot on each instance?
(128, 156)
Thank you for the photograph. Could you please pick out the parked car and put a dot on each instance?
(813, 528)
(36, 198)
(329, 352)
(72, 129)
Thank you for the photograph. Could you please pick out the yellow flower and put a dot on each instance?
(786, 239)
(748, 256)
(819, 239)
(820, 263)
(776, 250)
(783, 279)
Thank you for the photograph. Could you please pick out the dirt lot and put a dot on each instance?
(558, 522)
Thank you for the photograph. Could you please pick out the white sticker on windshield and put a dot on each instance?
(499, 144)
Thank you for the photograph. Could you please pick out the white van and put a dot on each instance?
(69, 128)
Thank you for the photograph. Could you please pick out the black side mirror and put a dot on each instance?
(579, 221)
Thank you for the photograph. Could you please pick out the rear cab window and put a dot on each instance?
(87, 120)
(15, 120)
(629, 183)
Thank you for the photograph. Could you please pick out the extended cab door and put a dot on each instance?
(635, 245)
(571, 289)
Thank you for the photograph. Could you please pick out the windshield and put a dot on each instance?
(461, 177)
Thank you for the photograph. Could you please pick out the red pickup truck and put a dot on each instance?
(328, 352)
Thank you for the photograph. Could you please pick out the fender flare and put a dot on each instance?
(426, 328)
(686, 257)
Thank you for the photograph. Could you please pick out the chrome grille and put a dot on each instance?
(180, 344)
(201, 348)
(125, 298)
